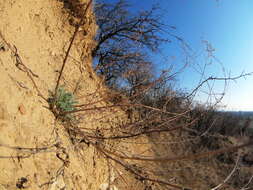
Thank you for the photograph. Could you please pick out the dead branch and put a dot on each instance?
(187, 157)
(20, 65)
(70, 46)
(128, 168)
(230, 174)
(218, 78)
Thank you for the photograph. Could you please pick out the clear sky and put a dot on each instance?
(228, 26)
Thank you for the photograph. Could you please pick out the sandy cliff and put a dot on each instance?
(35, 150)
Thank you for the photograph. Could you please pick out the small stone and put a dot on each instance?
(21, 109)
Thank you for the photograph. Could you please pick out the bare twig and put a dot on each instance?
(137, 174)
(27, 151)
(183, 114)
(218, 78)
(230, 174)
(20, 65)
(70, 46)
(178, 158)
(144, 132)
(246, 186)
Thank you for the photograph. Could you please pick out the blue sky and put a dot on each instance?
(228, 26)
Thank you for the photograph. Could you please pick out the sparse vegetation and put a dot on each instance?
(126, 42)
(150, 133)
(63, 103)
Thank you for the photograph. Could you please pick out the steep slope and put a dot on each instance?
(39, 151)
(35, 150)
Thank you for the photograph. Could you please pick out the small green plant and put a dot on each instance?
(62, 103)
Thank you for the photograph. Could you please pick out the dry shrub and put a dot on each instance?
(157, 147)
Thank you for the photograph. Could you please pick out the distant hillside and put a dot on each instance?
(241, 113)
